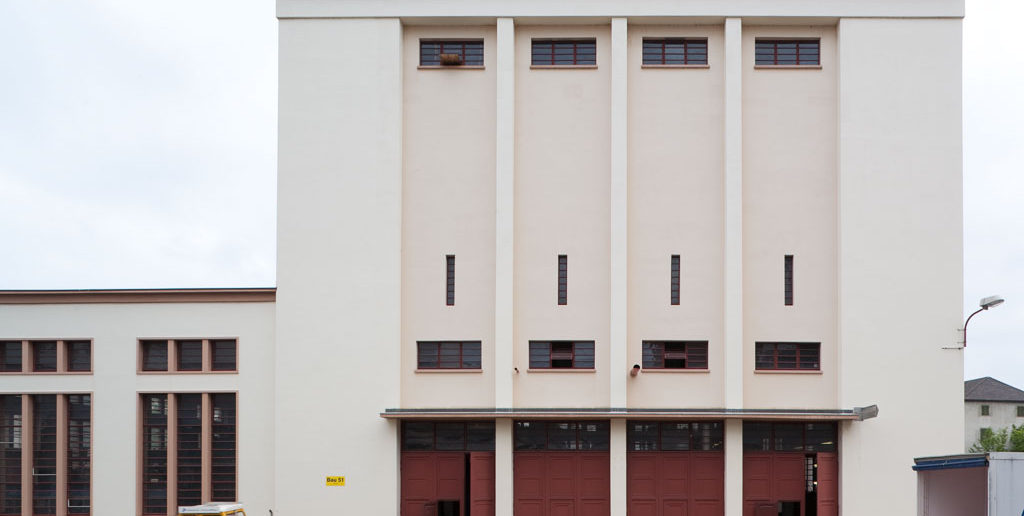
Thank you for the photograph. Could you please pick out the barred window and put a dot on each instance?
(469, 52)
(675, 354)
(448, 354)
(564, 52)
(561, 354)
(787, 356)
(787, 52)
(675, 51)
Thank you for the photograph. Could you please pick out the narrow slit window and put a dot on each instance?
(223, 471)
(468, 52)
(449, 268)
(674, 287)
(10, 453)
(44, 454)
(563, 279)
(675, 51)
(564, 52)
(79, 446)
(154, 454)
(190, 454)
(787, 52)
(788, 279)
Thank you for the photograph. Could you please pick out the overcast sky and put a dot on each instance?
(138, 149)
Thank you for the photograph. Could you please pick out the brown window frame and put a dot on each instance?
(425, 366)
(462, 53)
(656, 51)
(809, 349)
(809, 47)
(168, 427)
(29, 351)
(574, 354)
(173, 346)
(584, 59)
(694, 352)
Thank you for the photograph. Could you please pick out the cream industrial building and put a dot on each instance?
(545, 258)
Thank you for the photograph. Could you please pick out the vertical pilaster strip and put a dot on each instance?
(617, 319)
(617, 260)
(504, 183)
(61, 484)
(503, 469)
(504, 261)
(733, 331)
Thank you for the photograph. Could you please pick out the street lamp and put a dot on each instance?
(985, 304)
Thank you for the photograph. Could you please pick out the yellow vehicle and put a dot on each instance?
(212, 509)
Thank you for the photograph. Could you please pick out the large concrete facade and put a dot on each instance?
(852, 166)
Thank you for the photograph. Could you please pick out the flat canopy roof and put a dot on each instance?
(966, 460)
(142, 295)
(855, 414)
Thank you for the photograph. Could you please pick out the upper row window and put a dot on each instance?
(188, 355)
(45, 356)
(675, 51)
(787, 52)
(564, 52)
(452, 52)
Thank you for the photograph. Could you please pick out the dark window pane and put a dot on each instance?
(79, 444)
(79, 355)
(708, 436)
(821, 437)
(154, 355)
(643, 436)
(583, 355)
(471, 355)
(224, 439)
(452, 53)
(480, 436)
(11, 360)
(562, 436)
(810, 355)
(417, 435)
(564, 52)
(11, 453)
(789, 437)
(190, 355)
(154, 454)
(764, 355)
(530, 435)
(540, 355)
(594, 435)
(450, 280)
(757, 436)
(426, 355)
(785, 355)
(451, 355)
(653, 354)
(450, 436)
(44, 356)
(224, 355)
(675, 436)
(190, 463)
(44, 453)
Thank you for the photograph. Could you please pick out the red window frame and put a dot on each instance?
(470, 52)
(807, 52)
(656, 51)
(543, 52)
(568, 351)
(437, 354)
(803, 351)
(694, 352)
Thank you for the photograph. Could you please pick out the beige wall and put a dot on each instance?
(339, 264)
(900, 252)
(448, 208)
(115, 386)
(789, 207)
(675, 132)
(562, 207)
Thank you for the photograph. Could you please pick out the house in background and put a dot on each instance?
(989, 403)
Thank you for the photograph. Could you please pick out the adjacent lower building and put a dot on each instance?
(549, 258)
(990, 406)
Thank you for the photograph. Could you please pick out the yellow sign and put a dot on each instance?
(335, 481)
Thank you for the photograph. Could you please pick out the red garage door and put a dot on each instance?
(447, 462)
(675, 469)
(792, 466)
(561, 468)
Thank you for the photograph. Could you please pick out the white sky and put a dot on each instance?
(138, 149)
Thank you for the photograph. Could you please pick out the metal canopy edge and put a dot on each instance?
(855, 414)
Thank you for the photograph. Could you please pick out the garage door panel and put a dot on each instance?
(708, 508)
(556, 483)
(529, 508)
(674, 508)
(788, 470)
(643, 508)
(562, 508)
(594, 508)
(757, 481)
(530, 476)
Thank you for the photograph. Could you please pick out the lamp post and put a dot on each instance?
(985, 304)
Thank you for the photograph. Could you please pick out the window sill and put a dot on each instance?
(45, 373)
(563, 67)
(443, 371)
(561, 370)
(676, 66)
(787, 371)
(450, 67)
(676, 370)
(185, 372)
(787, 67)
